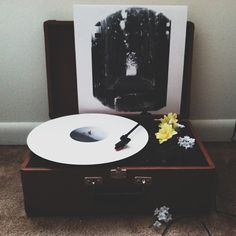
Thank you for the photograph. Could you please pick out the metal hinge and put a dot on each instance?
(142, 180)
(93, 180)
(118, 173)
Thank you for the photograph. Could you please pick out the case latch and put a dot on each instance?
(93, 180)
(142, 180)
(118, 173)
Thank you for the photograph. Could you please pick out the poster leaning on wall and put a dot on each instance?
(129, 58)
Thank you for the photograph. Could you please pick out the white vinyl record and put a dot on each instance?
(86, 139)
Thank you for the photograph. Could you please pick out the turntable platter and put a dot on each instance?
(85, 139)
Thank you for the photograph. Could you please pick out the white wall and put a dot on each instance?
(23, 88)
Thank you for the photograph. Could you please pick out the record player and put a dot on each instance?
(153, 176)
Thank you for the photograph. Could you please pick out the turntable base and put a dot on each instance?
(182, 180)
(158, 175)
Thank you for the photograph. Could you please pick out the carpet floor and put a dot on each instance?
(13, 220)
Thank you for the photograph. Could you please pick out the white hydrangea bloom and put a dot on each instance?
(157, 224)
(156, 212)
(186, 142)
(164, 209)
(162, 215)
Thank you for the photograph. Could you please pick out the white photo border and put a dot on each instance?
(85, 16)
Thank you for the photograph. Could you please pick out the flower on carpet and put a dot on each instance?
(161, 215)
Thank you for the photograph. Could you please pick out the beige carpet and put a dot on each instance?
(13, 220)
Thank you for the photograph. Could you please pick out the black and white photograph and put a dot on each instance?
(88, 134)
(129, 58)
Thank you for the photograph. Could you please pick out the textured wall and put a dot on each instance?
(23, 91)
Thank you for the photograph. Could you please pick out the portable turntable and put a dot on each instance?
(149, 176)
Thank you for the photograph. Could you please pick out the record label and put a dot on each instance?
(86, 139)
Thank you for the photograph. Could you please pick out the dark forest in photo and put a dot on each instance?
(130, 58)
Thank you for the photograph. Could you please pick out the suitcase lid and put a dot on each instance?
(61, 69)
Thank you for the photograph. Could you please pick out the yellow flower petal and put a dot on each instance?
(170, 119)
(165, 132)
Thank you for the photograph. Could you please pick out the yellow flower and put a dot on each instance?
(165, 132)
(170, 119)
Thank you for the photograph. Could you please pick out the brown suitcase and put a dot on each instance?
(158, 175)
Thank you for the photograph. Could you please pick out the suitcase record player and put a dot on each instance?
(157, 175)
